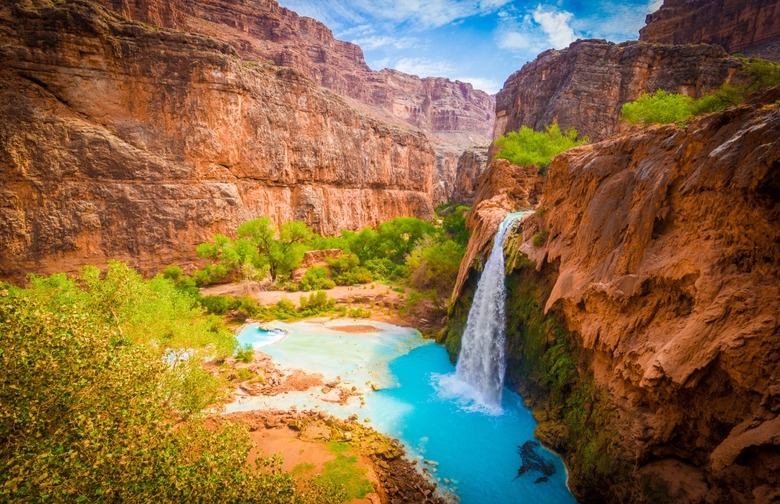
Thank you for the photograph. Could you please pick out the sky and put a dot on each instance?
(478, 41)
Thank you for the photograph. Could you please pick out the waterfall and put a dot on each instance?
(482, 362)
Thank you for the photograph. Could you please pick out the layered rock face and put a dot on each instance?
(453, 114)
(124, 141)
(502, 189)
(586, 84)
(471, 164)
(664, 255)
(750, 27)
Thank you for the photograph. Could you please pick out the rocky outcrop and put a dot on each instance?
(471, 164)
(452, 113)
(120, 140)
(586, 84)
(662, 251)
(750, 27)
(503, 188)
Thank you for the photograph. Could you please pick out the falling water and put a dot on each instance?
(482, 363)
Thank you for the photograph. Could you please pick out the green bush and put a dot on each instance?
(540, 238)
(316, 278)
(182, 282)
(346, 270)
(219, 305)
(358, 313)
(249, 307)
(434, 264)
(284, 309)
(246, 354)
(658, 108)
(315, 303)
(529, 147)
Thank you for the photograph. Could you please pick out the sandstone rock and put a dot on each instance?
(471, 164)
(586, 84)
(665, 244)
(453, 114)
(502, 189)
(124, 141)
(750, 27)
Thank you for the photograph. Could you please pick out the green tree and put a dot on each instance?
(282, 254)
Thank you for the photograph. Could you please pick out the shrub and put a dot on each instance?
(316, 278)
(658, 108)
(246, 354)
(540, 238)
(529, 147)
(284, 309)
(434, 264)
(249, 307)
(346, 270)
(380, 268)
(315, 303)
(219, 305)
(358, 313)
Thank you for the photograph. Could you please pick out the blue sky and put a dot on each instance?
(477, 41)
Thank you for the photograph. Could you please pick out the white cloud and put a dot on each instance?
(555, 25)
(514, 40)
(425, 13)
(616, 21)
(422, 67)
(487, 85)
(377, 41)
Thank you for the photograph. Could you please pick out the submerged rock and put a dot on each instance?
(532, 460)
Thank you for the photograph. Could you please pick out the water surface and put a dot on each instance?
(470, 451)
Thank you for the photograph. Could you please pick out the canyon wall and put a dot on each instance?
(750, 27)
(471, 164)
(658, 254)
(121, 140)
(586, 84)
(452, 114)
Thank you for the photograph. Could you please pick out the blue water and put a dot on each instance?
(474, 451)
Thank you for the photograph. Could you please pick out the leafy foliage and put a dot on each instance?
(98, 403)
(316, 278)
(529, 147)
(659, 108)
(662, 107)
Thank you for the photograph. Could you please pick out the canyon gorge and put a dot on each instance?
(182, 133)
(643, 293)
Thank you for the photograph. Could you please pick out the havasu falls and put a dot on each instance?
(479, 375)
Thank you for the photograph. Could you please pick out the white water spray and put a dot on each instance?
(482, 362)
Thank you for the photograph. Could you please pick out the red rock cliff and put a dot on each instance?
(750, 27)
(666, 257)
(120, 140)
(586, 84)
(453, 114)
